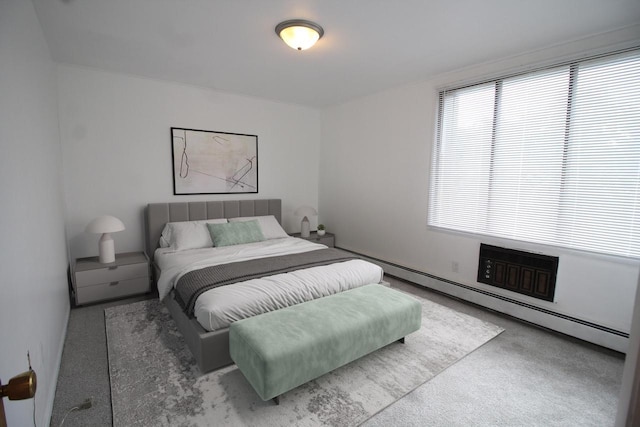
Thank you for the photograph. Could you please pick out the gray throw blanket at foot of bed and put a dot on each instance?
(191, 285)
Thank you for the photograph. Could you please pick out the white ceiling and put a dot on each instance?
(368, 46)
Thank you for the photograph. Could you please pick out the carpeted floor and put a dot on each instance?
(525, 376)
(155, 381)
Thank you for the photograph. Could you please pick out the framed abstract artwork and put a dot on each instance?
(209, 162)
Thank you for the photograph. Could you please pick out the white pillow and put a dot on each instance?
(269, 225)
(163, 242)
(183, 235)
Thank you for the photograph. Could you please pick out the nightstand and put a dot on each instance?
(127, 275)
(328, 238)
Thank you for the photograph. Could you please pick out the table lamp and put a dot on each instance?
(304, 212)
(105, 225)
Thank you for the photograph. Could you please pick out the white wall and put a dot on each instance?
(116, 145)
(629, 401)
(34, 304)
(374, 182)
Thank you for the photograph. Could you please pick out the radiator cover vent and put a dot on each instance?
(518, 271)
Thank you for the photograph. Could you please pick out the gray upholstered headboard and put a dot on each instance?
(158, 214)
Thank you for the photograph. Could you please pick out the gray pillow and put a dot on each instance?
(235, 233)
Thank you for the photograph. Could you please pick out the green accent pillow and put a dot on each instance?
(235, 233)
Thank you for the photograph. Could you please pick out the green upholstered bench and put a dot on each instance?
(280, 350)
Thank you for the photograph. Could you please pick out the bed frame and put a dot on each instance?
(210, 349)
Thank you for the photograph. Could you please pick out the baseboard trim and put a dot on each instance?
(48, 413)
(573, 326)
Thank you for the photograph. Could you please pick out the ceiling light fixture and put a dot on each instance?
(299, 34)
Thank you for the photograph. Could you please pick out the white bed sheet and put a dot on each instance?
(174, 264)
(219, 307)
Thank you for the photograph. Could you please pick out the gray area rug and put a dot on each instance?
(155, 380)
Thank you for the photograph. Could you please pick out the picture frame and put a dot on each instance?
(213, 162)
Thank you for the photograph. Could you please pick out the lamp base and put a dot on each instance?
(106, 249)
(304, 227)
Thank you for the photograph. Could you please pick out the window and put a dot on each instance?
(550, 157)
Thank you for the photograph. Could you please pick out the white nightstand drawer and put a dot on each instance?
(111, 274)
(113, 289)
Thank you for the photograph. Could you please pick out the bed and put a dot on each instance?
(203, 317)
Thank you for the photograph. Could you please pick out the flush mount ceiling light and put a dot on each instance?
(299, 34)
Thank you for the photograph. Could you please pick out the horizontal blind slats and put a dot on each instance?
(550, 157)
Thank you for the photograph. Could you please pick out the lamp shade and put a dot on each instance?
(305, 211)
(104, 224)
(299, 33)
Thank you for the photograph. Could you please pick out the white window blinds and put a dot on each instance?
(550, 157)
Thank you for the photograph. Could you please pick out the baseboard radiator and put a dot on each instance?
(545, 317)
(518, 271)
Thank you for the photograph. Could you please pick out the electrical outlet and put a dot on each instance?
(454, 266)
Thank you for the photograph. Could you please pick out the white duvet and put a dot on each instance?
(219, 307)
